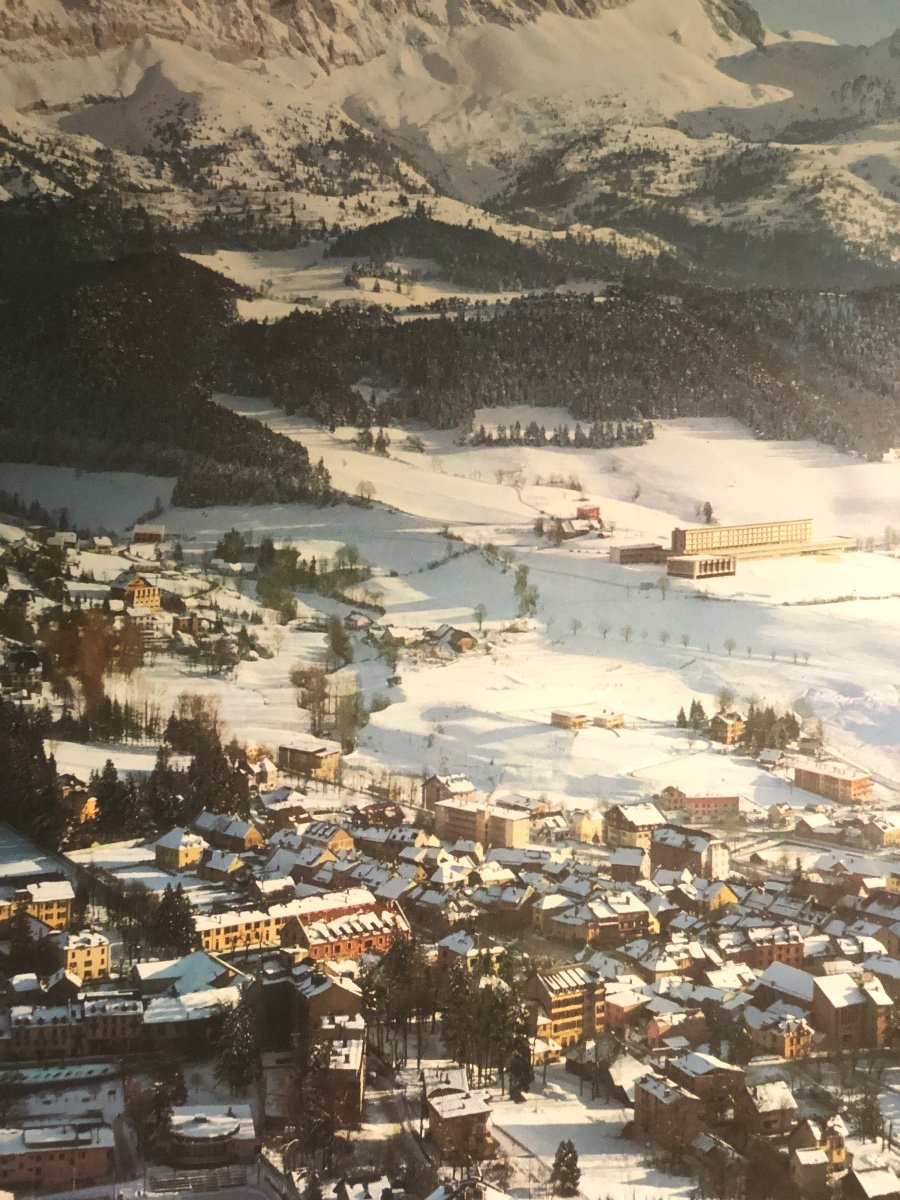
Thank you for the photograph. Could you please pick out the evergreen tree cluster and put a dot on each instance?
(766, 729)
(565, 1174)
(129, 807)
(470, 257)
(787, 364)
(696, 718)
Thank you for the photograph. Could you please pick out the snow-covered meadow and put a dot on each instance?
(821, 634)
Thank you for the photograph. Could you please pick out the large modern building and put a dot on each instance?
(767, 534)
(710, 551)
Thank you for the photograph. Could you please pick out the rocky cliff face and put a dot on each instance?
(332, 32)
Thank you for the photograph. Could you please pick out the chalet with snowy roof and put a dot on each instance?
(137, 592)
(631, 825)
(457, 640)
(148, 535)
(283, 806)
(727, 727)
(438, 788)
(220, 866)
(628, 864)
(328, 835)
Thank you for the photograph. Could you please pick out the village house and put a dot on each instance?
(457, 640)
(48, 901)
(631, 825)
(727, 728)
(220, 866)
(137, 591)
(328, 836)
(628, 864)
(438, 788)
(881, 831)
(344, 1075)
(713, 1081)
(459, 1121)
(311, 758)
(828, 1136)
(226, 832)
(76, 799)
(808, 1169)
(675, 848)
(766, 1110)
(178, 849)
(872, 1183)
(666, 1113)
(782, 1034)
(563, 719)
(148, 535)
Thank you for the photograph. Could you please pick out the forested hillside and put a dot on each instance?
(480, 258)
(111, 345)
(788, 364)
(106, 363)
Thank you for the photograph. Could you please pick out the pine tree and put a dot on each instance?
(22, 945)
(237, 1054)
(566, 1174)
(681, 719)
(520, 1068)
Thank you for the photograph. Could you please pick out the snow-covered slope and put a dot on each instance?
(201, 106)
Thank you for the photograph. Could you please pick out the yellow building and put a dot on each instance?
(178, 849)
(139, 592)
(49, 901)
(85, 954)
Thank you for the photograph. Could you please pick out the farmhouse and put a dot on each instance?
(727, 728)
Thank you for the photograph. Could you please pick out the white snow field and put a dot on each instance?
(821, 634)
(111, 499)
(611, 1166)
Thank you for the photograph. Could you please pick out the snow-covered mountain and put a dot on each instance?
(605, 113)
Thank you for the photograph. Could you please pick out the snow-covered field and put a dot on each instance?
(611, 1166)
(108, 499)
(821, 634)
